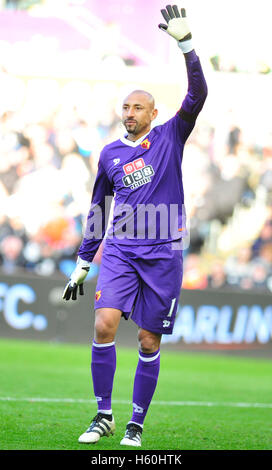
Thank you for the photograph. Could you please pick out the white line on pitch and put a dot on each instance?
(127, 402)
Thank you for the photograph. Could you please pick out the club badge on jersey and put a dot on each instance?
(146, 144)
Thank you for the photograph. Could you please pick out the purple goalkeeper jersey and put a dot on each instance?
(145, 178)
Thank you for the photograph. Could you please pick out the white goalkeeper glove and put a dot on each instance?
(76, 280)
(177, 27)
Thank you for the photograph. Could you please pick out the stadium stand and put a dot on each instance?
(48, 163)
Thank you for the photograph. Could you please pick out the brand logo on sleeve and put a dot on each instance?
(137, 173)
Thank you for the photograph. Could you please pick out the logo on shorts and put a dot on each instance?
(137, 173)
(97, 295)
(166, 323)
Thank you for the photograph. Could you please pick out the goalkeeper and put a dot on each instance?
(140, 276)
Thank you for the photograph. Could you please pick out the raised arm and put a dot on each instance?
(177, 27)
(197, 89)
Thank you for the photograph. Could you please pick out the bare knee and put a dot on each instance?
(148, 342)
(106, 324)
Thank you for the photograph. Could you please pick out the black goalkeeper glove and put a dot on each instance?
(76, 280)
(177, 27)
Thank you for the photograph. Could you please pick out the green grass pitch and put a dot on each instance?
(202, 402)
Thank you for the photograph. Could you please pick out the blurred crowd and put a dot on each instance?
(47, 171)
(48, 165)
(229, 192)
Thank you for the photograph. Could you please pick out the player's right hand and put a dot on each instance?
(76, 280)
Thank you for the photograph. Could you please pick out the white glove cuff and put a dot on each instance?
(82, 263)
(186, 46)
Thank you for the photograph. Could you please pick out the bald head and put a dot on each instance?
(142, 96)
(138, 113)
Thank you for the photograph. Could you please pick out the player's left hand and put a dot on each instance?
(76, 280)
(177, 25)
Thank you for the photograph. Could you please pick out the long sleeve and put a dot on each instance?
(98, 215)
(197, 89)
(182, 124)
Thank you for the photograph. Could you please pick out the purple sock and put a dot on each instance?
(145, 382)
(103, 368)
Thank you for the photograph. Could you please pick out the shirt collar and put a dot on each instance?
(125, 141)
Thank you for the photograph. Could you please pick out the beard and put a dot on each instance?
(131, 127)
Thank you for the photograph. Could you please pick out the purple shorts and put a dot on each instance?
(144, 282)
